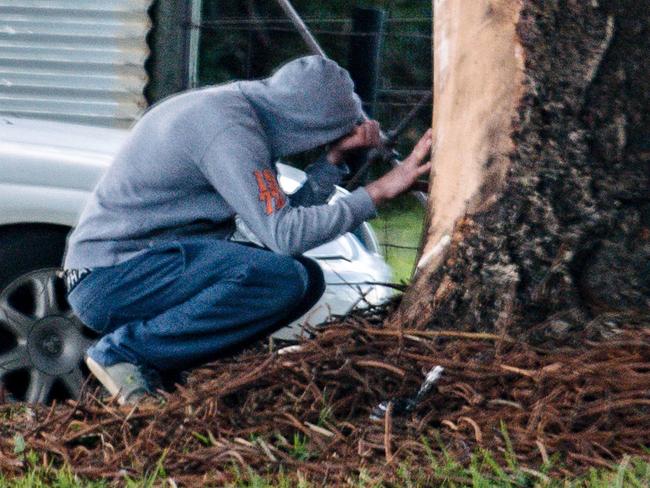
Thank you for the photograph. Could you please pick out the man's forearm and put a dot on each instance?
(377, 192)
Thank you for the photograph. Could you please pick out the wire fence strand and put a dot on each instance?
(314, 20)
(324, 32)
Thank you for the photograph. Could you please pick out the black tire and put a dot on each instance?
(41, 341)
(25, 248)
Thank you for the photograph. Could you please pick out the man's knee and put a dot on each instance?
(294, 280)
(284, 275)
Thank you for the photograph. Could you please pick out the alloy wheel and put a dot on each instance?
(42, 342)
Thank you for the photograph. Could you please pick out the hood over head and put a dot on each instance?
(306, 103)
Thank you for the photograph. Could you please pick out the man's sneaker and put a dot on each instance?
(126, 381)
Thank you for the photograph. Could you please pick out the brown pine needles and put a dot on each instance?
(308, 411)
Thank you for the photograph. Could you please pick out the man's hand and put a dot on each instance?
(401, 178)
(364, 136)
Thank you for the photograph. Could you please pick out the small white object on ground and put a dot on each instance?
(290, 349)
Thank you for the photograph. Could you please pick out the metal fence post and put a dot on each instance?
(364, 56)
(364, 64)
(174, 43)
(196, 17)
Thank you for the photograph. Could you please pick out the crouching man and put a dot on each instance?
(151, 266)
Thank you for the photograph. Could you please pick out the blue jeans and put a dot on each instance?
(184, 303)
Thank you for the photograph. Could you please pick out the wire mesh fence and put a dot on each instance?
(249, 39)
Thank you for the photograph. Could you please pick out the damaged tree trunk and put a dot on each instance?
(540, 194)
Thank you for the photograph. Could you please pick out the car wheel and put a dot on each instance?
(42, 342)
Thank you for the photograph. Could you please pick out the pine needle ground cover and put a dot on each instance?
(504, 413)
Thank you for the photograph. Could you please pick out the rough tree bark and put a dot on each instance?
(540, 193)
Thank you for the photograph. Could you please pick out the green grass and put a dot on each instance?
(483, 471)
(48, 477)
(300, 447)
(400, 224)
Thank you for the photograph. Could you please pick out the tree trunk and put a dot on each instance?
(540, 194)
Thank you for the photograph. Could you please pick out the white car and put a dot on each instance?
(47, 171)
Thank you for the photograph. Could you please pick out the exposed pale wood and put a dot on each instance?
(477, 85)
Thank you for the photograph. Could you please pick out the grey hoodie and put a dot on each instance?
(199, 158)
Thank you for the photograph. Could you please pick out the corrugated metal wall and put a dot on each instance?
(74, 60)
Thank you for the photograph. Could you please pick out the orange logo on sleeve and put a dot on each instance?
(270, 191)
